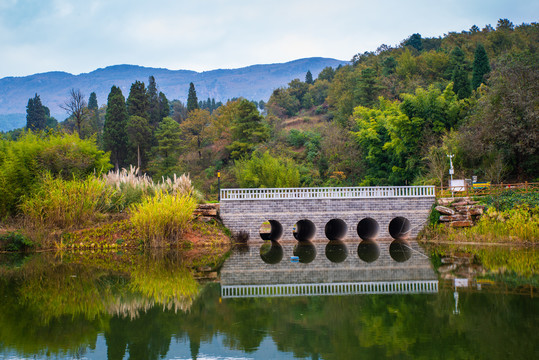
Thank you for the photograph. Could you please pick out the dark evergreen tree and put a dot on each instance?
(414, 41)
(389, 65)
(114, 130)
(481, 66)
(164, 106)
(459, 76)
(368, 87)
(192, 101)
(248, 130)
(137, 101)
(154, 109)
(92, 102)
(95, 124)
(36, 116)
(309, 77)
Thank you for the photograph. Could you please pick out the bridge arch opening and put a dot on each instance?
(335, 229)
(400, 250)
(271, 253)
(304, 230)
(368, 228)
(399, 228)
(336, 251)
(368, 251)
(305, 251)
(271, 230)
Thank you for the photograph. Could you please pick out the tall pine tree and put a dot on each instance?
(481, 66)
(309, 77)
(461, 83)
(95, 124)
(153, 103)
(137, 101)
(36, 116)
(114, 130)
(192, 101)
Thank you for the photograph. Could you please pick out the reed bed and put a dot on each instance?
(163, 218)
(67, 204)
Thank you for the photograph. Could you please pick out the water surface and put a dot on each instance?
(151, 306)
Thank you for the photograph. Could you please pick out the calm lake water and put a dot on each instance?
(337, 300)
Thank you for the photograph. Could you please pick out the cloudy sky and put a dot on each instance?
(79, 36)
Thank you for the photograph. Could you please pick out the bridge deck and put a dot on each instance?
(358, 192)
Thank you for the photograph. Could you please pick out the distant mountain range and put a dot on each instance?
(254, 82)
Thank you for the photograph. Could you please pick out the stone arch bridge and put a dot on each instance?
(339, 213)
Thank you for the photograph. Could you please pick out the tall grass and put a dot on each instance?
(163, 218)
(66, 204)
(134, 187)
(22, 162)
(521, 222)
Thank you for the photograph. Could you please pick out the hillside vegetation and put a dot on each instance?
(391, 117)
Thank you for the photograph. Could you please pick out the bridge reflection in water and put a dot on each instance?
(319, 268)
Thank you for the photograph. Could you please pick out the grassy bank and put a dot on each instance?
(116, 210)
(509, 217)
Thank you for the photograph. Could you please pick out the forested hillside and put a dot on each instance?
(391, 117)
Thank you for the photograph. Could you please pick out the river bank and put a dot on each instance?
(508, 217)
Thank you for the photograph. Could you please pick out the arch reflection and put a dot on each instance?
(368, 251)
(271, 253)
(336, 251)
(305, 251)
(400, 250)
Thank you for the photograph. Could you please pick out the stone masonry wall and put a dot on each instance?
(249, 215)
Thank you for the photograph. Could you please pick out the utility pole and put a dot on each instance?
(219, 186)
(451, 172)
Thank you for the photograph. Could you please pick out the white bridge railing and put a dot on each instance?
(328, 193)
(286, 290)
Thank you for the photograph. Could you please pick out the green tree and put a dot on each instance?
(264, 170)
(309, 78)
(368, 87)
(481, 66)
(248, 129)
(114, 130)
(194, 129)
(137, 101)
(461, 83)
(192, 100)
(505, 118)
(168, 138)
(92, 102)
(327, 73)
(139, 134)
(414, 41)
(154, 109)
(93, 108)
(282, 104)
(164, 106)
(35, 114)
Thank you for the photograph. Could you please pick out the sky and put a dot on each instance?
(79, 36)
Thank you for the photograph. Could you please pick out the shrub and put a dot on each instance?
(509, 199)
(65, 204)
(163, 218)
(23, 161)
(267, 171)
(15, 241)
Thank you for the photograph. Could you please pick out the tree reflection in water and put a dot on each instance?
(141, 303)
